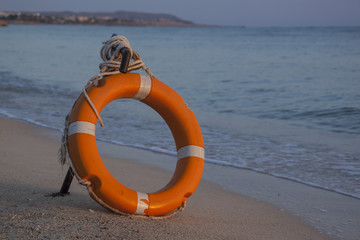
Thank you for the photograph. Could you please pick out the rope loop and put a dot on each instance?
(111, 55)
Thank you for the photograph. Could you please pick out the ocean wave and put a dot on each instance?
(330, 113)
(11, 83)
(339, 119)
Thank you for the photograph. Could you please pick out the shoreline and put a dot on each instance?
(30, 170)
(333, 144)
(116, 18)
(160, 25)
(120, 25)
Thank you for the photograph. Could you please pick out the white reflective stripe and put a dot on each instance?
(145, 87)
(142, 204)
(81, 127)
(190, 151)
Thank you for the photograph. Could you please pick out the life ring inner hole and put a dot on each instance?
(131, 126)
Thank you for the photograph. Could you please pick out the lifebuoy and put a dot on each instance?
(87, 163)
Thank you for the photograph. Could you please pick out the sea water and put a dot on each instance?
(281, 101)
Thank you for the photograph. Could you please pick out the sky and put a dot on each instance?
(216, 12)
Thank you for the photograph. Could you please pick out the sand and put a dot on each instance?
(30, 170)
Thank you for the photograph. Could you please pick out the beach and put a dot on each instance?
(280, 126)
(30, 170)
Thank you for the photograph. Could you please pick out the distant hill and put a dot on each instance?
(94, 18)
(119, 15)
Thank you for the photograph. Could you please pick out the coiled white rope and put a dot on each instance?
(111, 56)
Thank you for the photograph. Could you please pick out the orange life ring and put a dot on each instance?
(87, 163)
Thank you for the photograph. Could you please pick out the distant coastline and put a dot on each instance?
(118, 18)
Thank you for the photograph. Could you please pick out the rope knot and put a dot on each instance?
(111, 53)
(112, 57)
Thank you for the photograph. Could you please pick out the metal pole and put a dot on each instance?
(67, 182)
(65, 186)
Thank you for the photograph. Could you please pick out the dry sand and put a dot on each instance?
(30, 170)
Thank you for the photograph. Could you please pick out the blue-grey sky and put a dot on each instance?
(220, 12)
